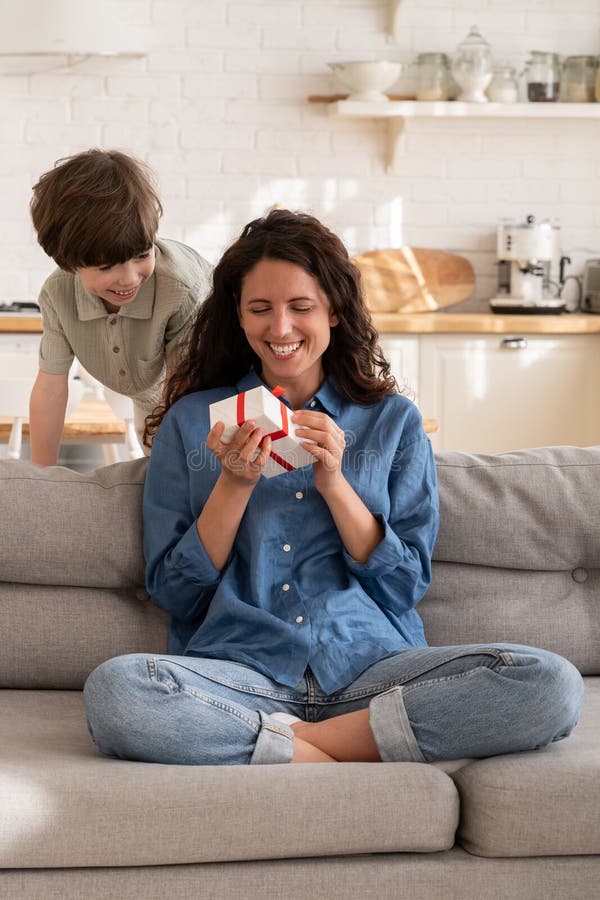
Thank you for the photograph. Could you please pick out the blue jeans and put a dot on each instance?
(424, 704)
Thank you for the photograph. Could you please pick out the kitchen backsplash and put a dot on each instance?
(219, 109)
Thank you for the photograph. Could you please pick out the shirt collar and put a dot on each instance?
(327, 395)
(91, 307)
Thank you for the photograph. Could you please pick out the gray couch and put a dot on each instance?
(518, 559)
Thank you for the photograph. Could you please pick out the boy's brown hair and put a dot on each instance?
(96, 208)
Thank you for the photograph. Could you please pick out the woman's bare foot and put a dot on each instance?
(346, 738)
(306, 753)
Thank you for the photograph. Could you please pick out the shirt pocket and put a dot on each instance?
(150, 371)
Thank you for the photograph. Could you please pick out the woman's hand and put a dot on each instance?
(359, 530)
(326, 442)
(243, 460)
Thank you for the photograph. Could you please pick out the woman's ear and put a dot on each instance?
(333, 319)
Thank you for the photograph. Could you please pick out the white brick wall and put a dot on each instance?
(218, 108)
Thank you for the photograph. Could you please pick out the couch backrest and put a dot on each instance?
(72, 573)
(518, 554)
(517, 559)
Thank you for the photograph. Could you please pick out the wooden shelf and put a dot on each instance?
(393, 18)
(457, 109)
(396, 112)
(333, 98)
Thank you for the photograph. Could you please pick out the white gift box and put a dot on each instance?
(270, 414)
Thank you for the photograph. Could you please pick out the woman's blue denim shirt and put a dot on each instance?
(289, 595)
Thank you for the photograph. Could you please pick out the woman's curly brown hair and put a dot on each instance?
(217, 353)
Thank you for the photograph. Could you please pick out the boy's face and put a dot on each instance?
(118, 285)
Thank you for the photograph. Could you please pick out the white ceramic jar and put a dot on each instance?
(472, 67)
(504, 86)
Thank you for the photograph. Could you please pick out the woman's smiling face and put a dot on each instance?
(287, 320)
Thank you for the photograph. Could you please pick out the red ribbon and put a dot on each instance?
(274, 435)
(281, 461)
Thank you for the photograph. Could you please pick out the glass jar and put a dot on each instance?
(472, 67)
(504, 86)
(542, 74)
(578, 84)
(432, 76)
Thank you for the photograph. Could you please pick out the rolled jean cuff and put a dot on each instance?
(391, 728)
(275, 743)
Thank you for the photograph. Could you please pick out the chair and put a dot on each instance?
(18, 372)
(123, 409)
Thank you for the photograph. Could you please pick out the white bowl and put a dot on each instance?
(367, 80)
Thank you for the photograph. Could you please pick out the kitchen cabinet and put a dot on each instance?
(493, 393)
(402, 353)
(19, 343)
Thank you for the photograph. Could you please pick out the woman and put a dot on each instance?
(294, 635)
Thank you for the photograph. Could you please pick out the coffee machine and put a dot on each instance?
(530, 267)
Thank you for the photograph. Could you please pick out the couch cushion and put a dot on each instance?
(518, 556)
(59, 634)
(64, 805)
(541, 803)
(69, 528)
(72, 573)
(451, 875)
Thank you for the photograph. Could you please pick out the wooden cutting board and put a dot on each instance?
(413, 279)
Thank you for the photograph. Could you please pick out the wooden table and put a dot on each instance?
(93, 422)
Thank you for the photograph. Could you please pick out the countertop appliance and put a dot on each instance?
(590, 301)
(530, 268)
(19, 308)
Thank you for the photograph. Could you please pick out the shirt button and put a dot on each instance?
(122, 372)
(113, 321)
(286, 548)
(299, 495)
(285, 587)
(116, 349)
(579, 575)
(312, 404)
(299, 620)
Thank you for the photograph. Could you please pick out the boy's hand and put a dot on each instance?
(47, 408)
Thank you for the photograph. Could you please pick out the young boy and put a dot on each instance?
(120, 300)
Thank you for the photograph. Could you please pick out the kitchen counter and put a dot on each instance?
(485, 323)
(421, 323)
(19, 324)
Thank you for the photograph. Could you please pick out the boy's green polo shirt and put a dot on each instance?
(125, 351)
